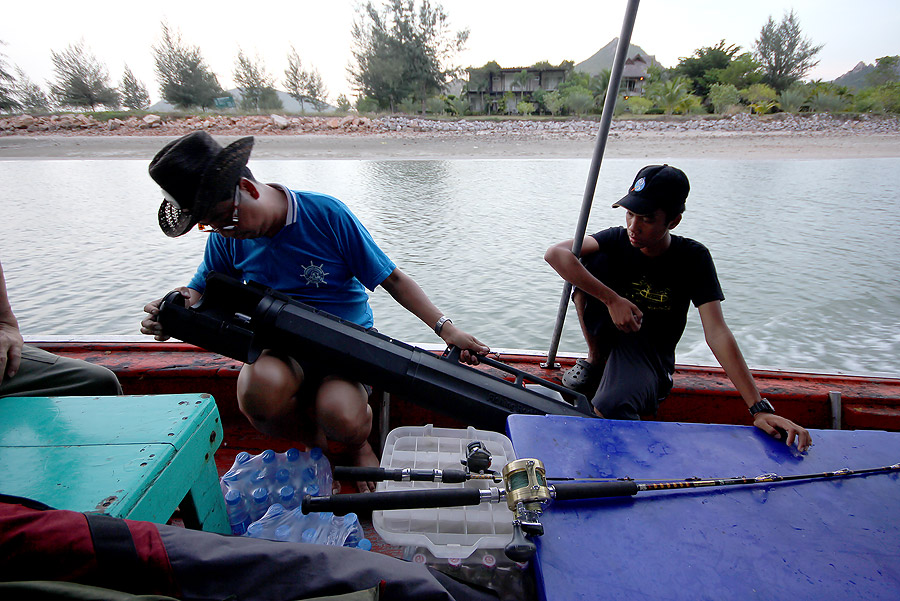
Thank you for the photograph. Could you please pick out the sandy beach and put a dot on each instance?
(415, 141)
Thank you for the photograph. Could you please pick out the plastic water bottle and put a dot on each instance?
(259, 503)
(350, 529)
(269, 465)
(266, 525)
(312, 490)
(236, 508)
(288, 498)
(295, 462)
(322, 470)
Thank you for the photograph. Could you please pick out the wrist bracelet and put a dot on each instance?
(440, 324)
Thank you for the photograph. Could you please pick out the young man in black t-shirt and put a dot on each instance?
(633, 288)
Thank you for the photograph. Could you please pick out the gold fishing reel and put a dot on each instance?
(526, 483)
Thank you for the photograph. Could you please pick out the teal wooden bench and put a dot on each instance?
(135, 457)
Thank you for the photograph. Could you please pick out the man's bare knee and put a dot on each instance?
(267, 389)
(343, 410)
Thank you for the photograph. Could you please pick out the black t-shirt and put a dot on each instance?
(662, 287)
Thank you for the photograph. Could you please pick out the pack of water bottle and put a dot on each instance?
(257, 482)
(321, 528)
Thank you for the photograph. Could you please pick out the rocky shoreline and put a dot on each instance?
(406, 126)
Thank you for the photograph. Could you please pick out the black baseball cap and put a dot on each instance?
(656, 187)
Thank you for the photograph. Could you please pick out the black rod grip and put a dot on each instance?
(380, 474)
(566, 491)
(399, 499)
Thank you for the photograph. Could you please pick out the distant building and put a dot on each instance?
(634, 74)
(484, 96)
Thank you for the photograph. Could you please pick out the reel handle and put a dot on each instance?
(520, 548)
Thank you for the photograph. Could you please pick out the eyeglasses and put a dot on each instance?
(208, 229)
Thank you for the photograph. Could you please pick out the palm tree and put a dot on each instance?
(669, 94)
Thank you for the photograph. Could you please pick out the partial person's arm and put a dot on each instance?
(727, 352)
(625, 314)
(151, 326)
(10, 337)
(410, 295)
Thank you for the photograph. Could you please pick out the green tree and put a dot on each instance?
(29, 95)
(435, 105)
(742, 72)
(793, 99)
(404, 49)
(183, 77)
(342, 103)
(881, 99)
(786, 56)
(637, 105)
(7, 83)
(761, 98)
(824, 101)
(554, 102)
(458, 105)
(520, 80)
(669, 94)
(409, 106)
(723, 95)
(525, 108)
(81, 80)
(704, 66)
(269, 100)
(134, 93)
(579, 100)
(252, 80)
(304, 85)
(887, 70)
(366, 105)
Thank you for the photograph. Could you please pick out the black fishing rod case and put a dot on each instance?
(240, 320)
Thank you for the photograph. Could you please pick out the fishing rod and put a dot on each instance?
(526, 492)
(477, 467)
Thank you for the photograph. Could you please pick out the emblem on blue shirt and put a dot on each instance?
(314, 274)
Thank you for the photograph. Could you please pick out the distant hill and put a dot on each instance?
(603, 58)
(290, 105)
(855, 77)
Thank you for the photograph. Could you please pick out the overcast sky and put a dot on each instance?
(516, 33)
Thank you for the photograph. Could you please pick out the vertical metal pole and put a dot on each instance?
(612, 93)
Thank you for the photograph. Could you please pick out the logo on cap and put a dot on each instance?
(639, 185)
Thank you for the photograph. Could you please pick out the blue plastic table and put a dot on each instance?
(823, 539)
(137, 457)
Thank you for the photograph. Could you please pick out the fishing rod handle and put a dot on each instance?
(398, 499)
(380, 474)
(565, 491)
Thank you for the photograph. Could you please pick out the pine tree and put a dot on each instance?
(81, 80)
(134, 93)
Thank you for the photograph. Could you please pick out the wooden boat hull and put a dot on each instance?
(700, 394)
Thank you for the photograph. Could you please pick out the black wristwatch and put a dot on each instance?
(764, 406)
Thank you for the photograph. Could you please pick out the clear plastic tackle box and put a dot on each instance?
(448, 531)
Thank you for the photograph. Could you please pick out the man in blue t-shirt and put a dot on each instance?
(633, 288)
(303, 244)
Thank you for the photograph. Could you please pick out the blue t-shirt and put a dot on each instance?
(323, 257)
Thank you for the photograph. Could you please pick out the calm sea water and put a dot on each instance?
(808, 252)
